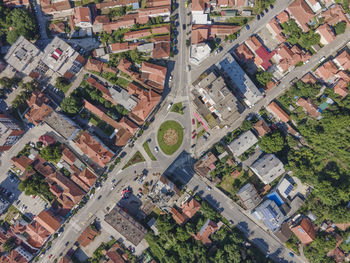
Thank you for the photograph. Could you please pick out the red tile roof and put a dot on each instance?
(309, 107)
(305, 231)
(204, 233)
(161, 50)
(177, 216)
(87, 236)
(37, 234)
(302, 13)
(85, 179)
(21, 162)
(46, 140)
(326, 33)
(94, 150)
(327, 71)
(262, 128)
(309, 78)
(48, 221)
(290, 57)
(341, 88)
(190, 208)
(335, 15)
(278, 112)
(343, 60)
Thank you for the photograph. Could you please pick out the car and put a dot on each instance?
(258, 17)
(193, 145)
(205, 137)
(113, 181)
(67, 243)
(188, 68)
(50, 255)
(17, 202)
(291, 254)
(271, 6)
(194, 131)
(262, 14)
(231, 222)
(169, 106)
(247, 27)
(184, 26)
(59, 234)
(207, 133)
(171, 78)
(267, 254)
(156, 149)
(12, 195)
(139, 195)
(194, 136)
(266, 10)
(99, 197)
(209, 188)
(193, 122)
(113, 186)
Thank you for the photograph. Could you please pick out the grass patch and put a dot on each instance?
(11, 213)
(148, 151)
(170, 137)
(123, 82)
(178, 108)
(202, 132)
(137, 158)
(211, 120)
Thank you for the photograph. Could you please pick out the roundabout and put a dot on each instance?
(170, 137)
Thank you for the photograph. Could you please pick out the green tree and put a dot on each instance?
(52, 153)
(272, 143)
(340, 28)
(9, 244)
(61, 83)
(264, 77)
(71, 105)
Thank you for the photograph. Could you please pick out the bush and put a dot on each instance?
(264, 77)
(52, 153)
(272, 143)
(340, 28)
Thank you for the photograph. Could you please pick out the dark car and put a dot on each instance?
(271, 6)
(258, 17)
(266, 10)
(247, 27)
(262, 14)
(184, 26)
(67, 243)
(99, 197)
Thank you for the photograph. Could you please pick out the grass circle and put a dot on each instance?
(170, 137)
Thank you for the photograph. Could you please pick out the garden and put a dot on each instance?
(170, 137)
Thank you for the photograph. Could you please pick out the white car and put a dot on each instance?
(156, 149)
(169, 106)
(171, 78)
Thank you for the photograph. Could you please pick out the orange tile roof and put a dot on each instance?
(291, 56)
(93, 149)
(327, 35)
(156, 73)
(37, 234)
(21, 162)
(199, 35)
(145, 12)
(302, 13)
(198, 5)
(343, 75)
(48, 7)
(101, 20)
(57, 28)
(96, 84)
(67, 192)
(85, 179)
(154, 3)
(309, 78)
(253, 43)
(244, 53)
(335, 15)
(203, 235)
(277, 29)
(262, 128)
(165, 38)
(305, 231)
(39, 110)
(341, 88)
(161, 50)
(42, 167)
(13, 257)
(68, 156)
(281, 114)
(343, 60)
(131, 35)
(309, 106)
(327, 70)
(222, 30)
(190, 208)
(94, 65)
(283, 17)
(87, 236)
(48, 221)
(161, 30)
(121, 47)
(177, 216)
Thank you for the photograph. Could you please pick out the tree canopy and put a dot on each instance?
(263, 77)
(340, 28)
(71, 105)
(272, 143)
(52, 153)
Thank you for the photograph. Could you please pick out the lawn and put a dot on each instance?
(178, 108)
(11, 213)
(148, 151)
(170, 137)
(122, 82)
(137, 158)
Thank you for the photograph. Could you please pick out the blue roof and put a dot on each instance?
(276, 198)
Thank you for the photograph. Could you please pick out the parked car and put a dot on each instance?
(99, 197)
(156, 149)
(193, 145)
(194, 136)
(262, 14)
(169, 106)
(209, 188)
(258, 17)
(247, 27)
(193, 121)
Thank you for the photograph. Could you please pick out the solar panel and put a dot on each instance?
(288, 190)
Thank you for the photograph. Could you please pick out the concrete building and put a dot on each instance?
(249, 196)
(232, 70)
(271, 214)
(268, 168)
(10, 132)
(122, 97)
(199, 52)
(242, 143)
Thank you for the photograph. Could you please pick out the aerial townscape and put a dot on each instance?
(166, 131)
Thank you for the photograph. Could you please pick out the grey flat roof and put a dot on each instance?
(62, 125)
(268, 168)
(242, 143)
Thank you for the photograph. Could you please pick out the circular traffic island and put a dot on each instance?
(170, 137)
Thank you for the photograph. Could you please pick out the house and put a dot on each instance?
(153, 74)
(148, 100)
(284, 232)
(261, 127)
(21, 162)
(42, 166)
(132, 35)
(201, 33)
(284, 188)
(82, 17)
(287, 58)
(17, 255)
(341, 88)
(199, 14)
(262, 56)
(271, 214)
(46, 140)
(232, 70)
(326, 33)
(37, 234)
(126, 225)
(49, 221)
(309, 78)
(145, 13)
(57, 28)
(302, 13)
(94, 149)
(94, 65)
(276, 30)
(268, 168)
(122, 47)
(278, 112)
(66, 192)
(85, 179)
(314, 5)
(309, 107)
(242, 143)
(16, 3)
(116, 254)
(38, 108)
(161, 50)
(248, 196)
(50, 7)
(190, 208)
(244, 53)
(282, 17)
(153, 3)
(206, 230)
(205, 165)
(178, 216)
(87, 236)
(343, 60)
(327, 72)
(304, 230)
(335, 15)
